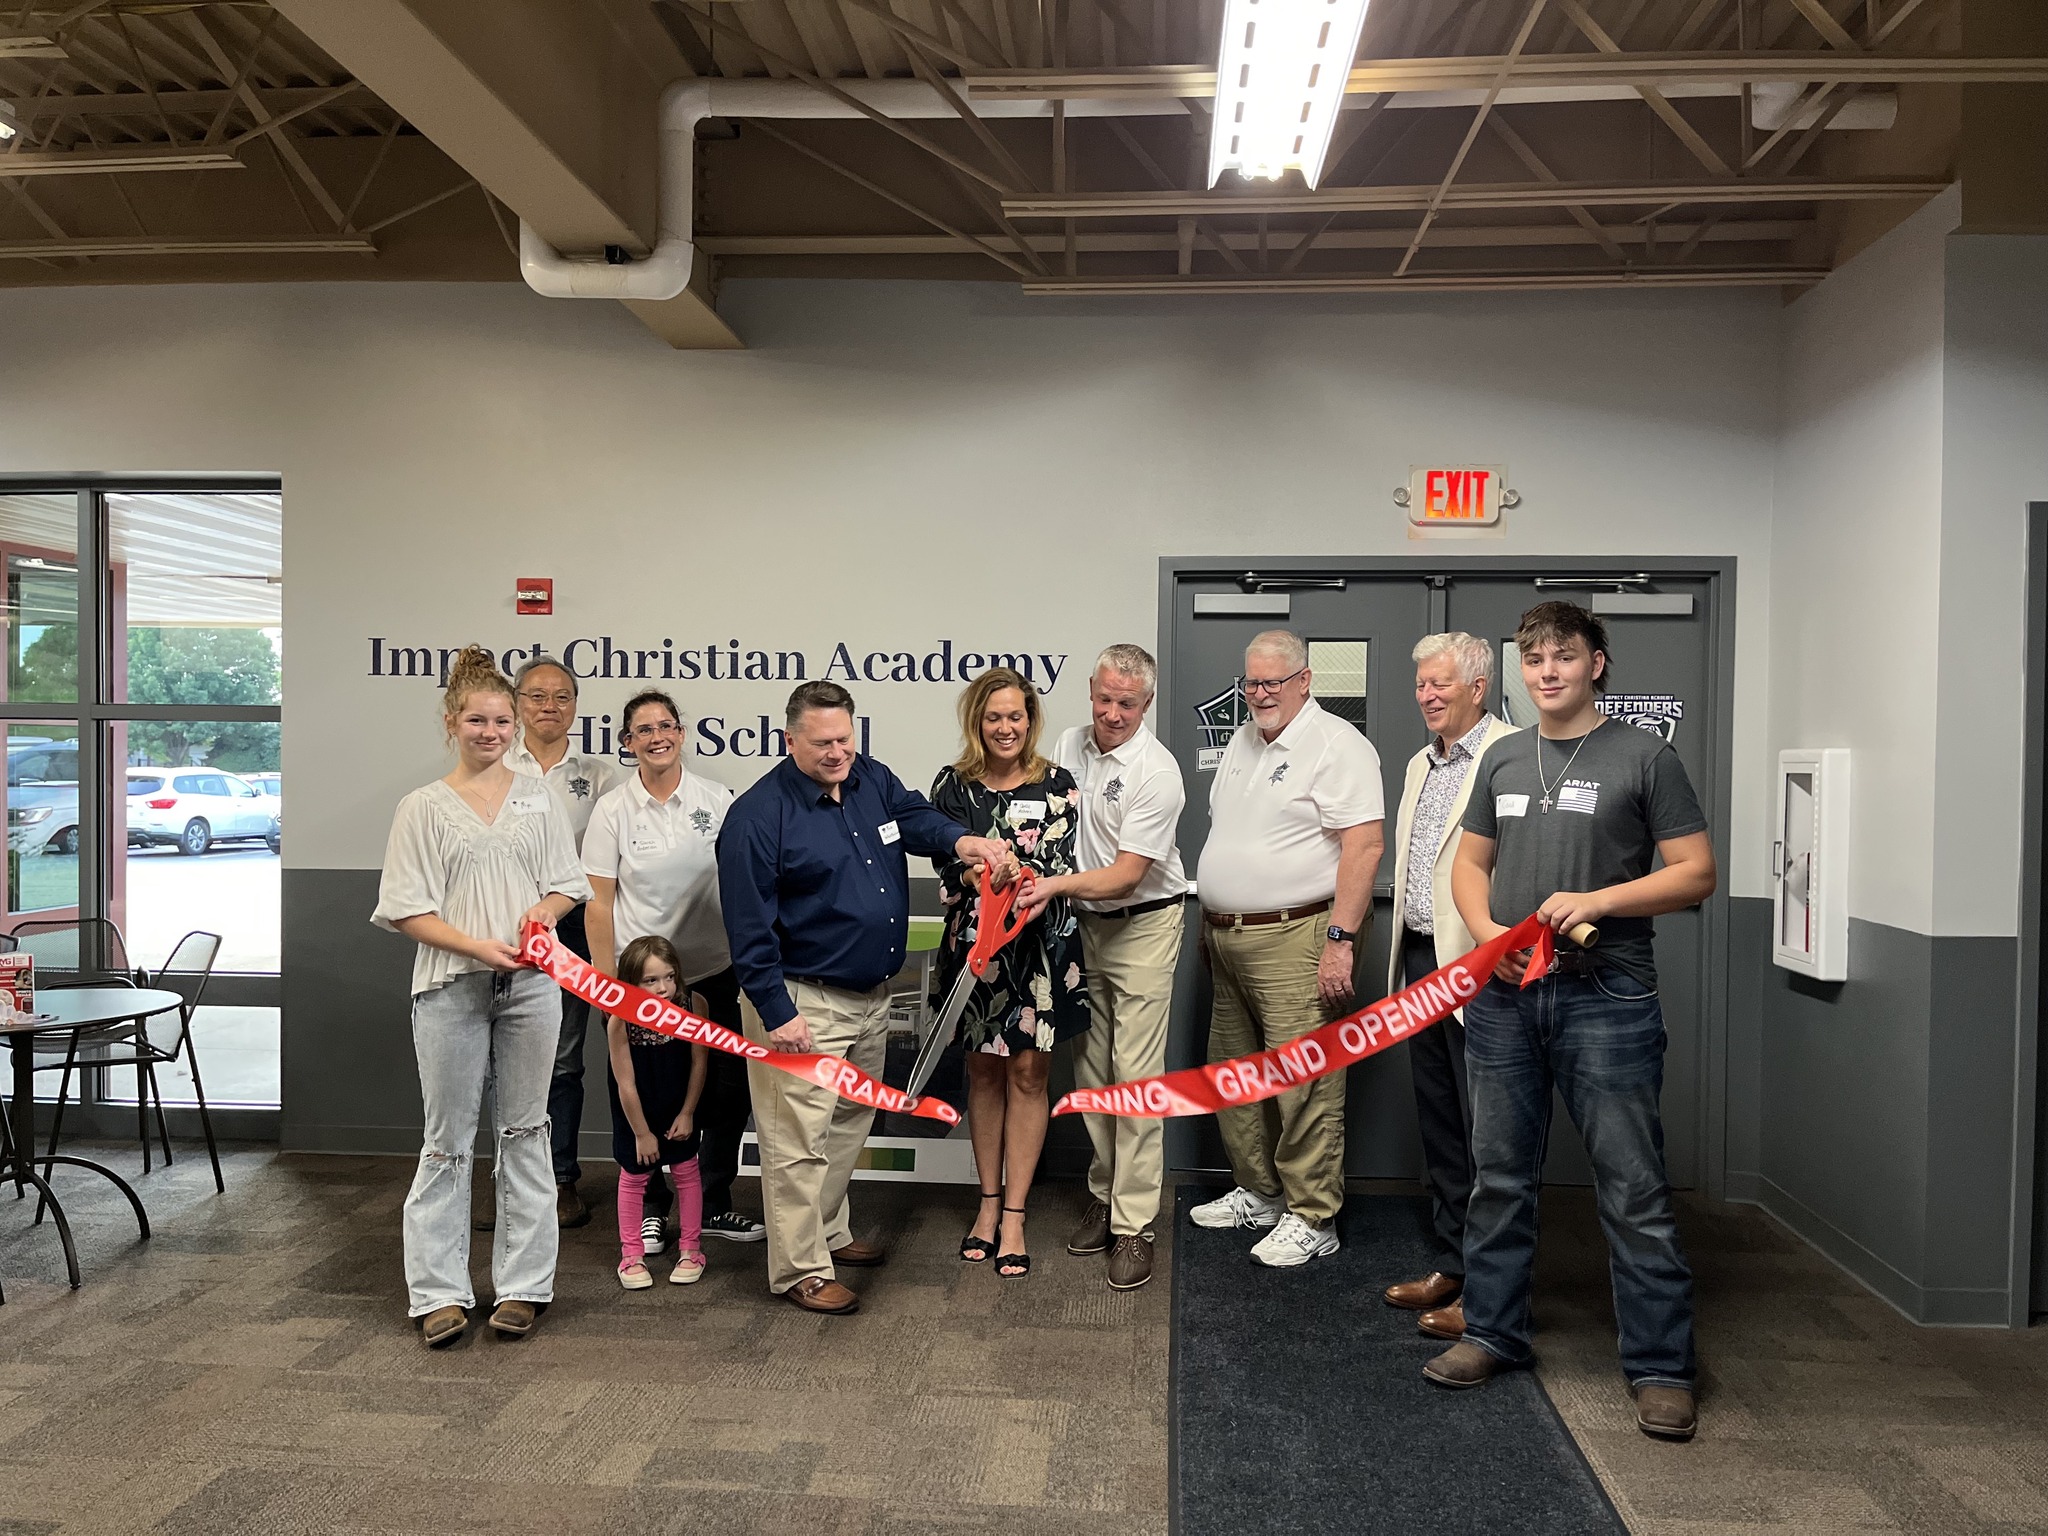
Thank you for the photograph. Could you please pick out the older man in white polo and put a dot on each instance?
(1295, 819)
(1452, 674)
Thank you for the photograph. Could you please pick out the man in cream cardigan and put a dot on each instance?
(1451, 676)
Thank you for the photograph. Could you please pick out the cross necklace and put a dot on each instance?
(1549, 788)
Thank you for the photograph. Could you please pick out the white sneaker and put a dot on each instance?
(1239, 1208)
(1294, 1242)
(653, 1235)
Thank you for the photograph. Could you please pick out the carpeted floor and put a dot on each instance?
(250, 1370)
(1300, 1404)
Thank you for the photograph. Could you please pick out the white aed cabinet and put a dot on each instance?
(1810, 864)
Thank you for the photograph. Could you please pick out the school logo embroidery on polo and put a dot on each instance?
(1113, 790)
(701, 820)
(1578, 795)
(1278, 774)
(580, 787)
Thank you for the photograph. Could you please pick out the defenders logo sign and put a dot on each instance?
(1657, 713)
(1220, 717)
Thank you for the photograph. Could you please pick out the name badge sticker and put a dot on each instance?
(889, 833)
(1510, 805)
(530, 807)
(1027, 810)
(645, 842)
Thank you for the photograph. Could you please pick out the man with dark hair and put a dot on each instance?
(816, 895)
(1568, 820)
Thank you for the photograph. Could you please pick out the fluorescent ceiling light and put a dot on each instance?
(7, 120)
(1279, 83)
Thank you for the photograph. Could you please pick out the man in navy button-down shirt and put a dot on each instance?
(815, 887)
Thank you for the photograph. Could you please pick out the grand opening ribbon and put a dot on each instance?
(1337, 1045)
(608, 994)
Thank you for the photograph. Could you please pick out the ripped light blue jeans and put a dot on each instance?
(498, 1027)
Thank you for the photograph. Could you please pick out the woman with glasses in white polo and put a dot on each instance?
(651, 852)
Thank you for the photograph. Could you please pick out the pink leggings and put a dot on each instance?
(689, 1210)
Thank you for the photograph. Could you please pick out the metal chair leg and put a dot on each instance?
(141, 1114)
(220, 1185)
(56, 1125)
(163, 1129)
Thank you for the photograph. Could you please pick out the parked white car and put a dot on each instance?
(191, 809)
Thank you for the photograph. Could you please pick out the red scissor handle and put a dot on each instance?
(992, 927)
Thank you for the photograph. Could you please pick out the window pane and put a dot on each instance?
(42, 818)
(198, 584)
(238, 1059)
(38, 555)
(199, 855)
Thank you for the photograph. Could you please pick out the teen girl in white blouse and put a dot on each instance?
(472, 857)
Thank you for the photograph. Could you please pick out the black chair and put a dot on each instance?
(147, 1044)
(74, 951)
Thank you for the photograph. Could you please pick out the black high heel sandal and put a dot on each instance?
(975, 1250)
(1019, 1262)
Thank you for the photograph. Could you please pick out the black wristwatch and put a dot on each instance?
(1338, 935)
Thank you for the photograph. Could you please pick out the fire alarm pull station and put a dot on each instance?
(535, 594)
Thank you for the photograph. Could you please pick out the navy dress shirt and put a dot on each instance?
(820, 888)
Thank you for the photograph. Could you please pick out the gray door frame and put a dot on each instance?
(1719, 572)
(2027, 1149)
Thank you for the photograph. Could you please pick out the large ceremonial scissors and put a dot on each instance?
(993, 929)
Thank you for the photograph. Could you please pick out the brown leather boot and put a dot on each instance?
(1464, 1364)
(1092, 1235)
(1444, 1322)
(443, 1326)
(1424, 1295)
(1668, 1413)
(516, 1319)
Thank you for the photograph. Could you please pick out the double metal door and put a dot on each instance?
(1362, 621)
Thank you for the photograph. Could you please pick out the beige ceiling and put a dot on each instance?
(406, 138)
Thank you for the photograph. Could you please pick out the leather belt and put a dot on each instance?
(1262, 919)
(1138, 909)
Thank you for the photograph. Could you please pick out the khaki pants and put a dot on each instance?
(1130, 964)
(1265, 996)
(810, 1137)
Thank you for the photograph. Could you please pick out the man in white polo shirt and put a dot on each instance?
(547, 708)
(1128, 893)
(1295, 829)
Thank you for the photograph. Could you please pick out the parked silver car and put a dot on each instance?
(193, 808)
(42, 795)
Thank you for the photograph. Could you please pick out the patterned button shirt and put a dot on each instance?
(1432, 808)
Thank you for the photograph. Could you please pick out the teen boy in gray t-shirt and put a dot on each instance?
(1564, 821)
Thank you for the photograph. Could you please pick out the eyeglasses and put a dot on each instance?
(549, 698)
(656, 728)
(1253, 685)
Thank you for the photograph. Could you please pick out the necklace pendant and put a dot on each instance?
(1546, 805)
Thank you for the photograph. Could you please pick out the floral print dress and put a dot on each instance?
(1034, 994)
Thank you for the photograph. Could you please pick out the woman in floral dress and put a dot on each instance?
(1034, 994)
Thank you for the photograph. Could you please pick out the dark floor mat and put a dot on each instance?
(1299, 1404)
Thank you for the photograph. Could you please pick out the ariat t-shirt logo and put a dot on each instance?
(1579, 795)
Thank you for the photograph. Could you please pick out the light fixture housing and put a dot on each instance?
(8, 125)
(1280, 81)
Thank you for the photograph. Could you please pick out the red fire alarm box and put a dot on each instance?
(535, 594)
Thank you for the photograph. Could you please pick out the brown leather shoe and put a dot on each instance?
(1666, 1412)
(818, 1294)
(1130, 1263)
(515, 1319)
(1444, 1322)
(570, 1211)
(443, 1326)
(1464, 1364)
(1426, 1294)
(859, 1255)
(1092, 1235)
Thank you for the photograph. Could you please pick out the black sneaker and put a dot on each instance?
(653, 1235)
(734, 1227)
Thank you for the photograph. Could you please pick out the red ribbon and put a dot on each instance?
(1337, 1045)
(537, 947)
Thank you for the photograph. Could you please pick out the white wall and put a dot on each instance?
(1856, 555)
(890, 465)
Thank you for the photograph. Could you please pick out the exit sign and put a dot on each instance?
(1455, 496)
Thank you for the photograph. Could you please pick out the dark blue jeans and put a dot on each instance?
(1600, 1041)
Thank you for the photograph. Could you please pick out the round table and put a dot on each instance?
(63, 1011)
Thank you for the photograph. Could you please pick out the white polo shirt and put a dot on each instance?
(1131, 800)
(1276, 809)
(664, 855)
(577, 782)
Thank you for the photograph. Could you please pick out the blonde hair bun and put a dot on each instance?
(475, 671)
